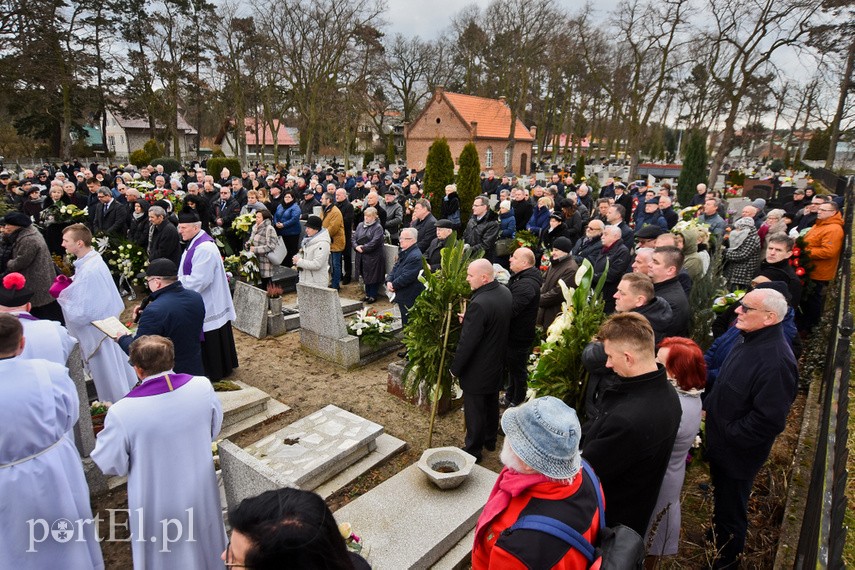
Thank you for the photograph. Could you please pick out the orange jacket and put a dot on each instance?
(824, 242)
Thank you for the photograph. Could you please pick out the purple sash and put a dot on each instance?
(188, 255)
(26, 317)
(159, 385)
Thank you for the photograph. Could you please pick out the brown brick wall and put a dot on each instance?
(425, 130)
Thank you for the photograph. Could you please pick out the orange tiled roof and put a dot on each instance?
(492, 115)
(265, 134)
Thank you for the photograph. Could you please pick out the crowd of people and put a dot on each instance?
(649, 382)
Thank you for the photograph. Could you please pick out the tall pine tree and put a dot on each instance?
(468, 181)
(580, 168)
(439, 172)
(694, 169)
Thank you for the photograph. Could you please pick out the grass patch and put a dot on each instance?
(849, 516)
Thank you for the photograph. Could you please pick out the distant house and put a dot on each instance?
(259, 138)
(125, 135)
(465, 118)
(368, 138)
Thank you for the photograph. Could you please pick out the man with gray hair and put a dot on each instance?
(543, 475)
(111, 217)
(163, 239)
(403, 280)
(745, 411)
(613, 259)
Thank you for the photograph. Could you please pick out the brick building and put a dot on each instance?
(465, 118)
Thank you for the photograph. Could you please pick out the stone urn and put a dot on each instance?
(446, 467)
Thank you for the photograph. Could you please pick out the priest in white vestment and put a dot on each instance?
(44, 498)
(93, 296)
(160, 435)
(201, 269)
(45, 339)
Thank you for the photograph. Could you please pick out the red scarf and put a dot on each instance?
(510, 484)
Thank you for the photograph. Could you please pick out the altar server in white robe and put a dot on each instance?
(93, 296)
(45, 516)
(160, 435)
(45, 339)
(201, 269)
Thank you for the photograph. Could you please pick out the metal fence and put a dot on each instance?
(823, 534)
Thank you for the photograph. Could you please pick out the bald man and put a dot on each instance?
(524, 284)
(480, 356)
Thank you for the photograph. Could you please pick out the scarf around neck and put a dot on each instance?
(510, 484)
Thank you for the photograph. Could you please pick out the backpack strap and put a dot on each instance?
(596, 481)
(558, 529)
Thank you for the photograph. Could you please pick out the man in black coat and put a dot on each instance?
(111, 217)
(522, 208)
(482, 230)
(174, 312)
(589, 246)
(403, 280)
(433, 255)
(163, 240)
(615, 217)
(747, 408)
(628, 439)
(664, 270)
(424, 222)
(480, 353)
(525, 291)
(635, 293)
(614, 254)
(776, 266)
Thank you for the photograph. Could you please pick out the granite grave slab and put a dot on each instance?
(322, 328)
(406, 522)
(305, 454)
(251, 310)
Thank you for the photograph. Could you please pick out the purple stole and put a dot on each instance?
(26, 317)
(188, 256)
(159, 385)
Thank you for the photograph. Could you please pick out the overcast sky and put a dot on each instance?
(427, 18)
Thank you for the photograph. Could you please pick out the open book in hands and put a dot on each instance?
(112, 327)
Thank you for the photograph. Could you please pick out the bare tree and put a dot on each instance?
(640, 67)
(316, 41)
(745, 35)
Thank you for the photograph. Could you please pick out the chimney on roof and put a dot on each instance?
(533, 130)
(503, 101)
(474, 128)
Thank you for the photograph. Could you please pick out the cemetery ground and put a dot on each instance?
(306, 383)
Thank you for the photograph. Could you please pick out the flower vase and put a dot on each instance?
(275, 305)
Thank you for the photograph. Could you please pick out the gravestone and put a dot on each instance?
(84, 437)
(407, 522)
(285, 277)
(735, 205)
(322, 328)
(251, 310)
(391, 255)
(311, 453)
(292, 312)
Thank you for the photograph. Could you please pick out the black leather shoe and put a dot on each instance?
(490, 446)
(369, 300)
(346, 281)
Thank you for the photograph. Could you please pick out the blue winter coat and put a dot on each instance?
(176, 313)
(654, 219)
(289, 216)
(405, 276)
(539, 220)
(508, 225)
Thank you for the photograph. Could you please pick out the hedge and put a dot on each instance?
(216, 165)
